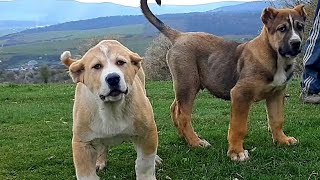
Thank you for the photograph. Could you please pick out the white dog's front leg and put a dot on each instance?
(145, 165)
(84, 158)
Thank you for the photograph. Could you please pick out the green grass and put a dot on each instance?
(36, 123)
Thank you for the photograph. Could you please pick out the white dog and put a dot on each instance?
(110, 107)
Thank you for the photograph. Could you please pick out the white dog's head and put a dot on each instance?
(108, 69)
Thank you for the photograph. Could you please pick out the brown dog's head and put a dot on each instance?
(285, 29)
(108, 69)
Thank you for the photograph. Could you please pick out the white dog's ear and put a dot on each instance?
(76, 68)
(136, 60)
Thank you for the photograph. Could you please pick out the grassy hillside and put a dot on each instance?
(35, 138)
(46, 47)
(21, 38)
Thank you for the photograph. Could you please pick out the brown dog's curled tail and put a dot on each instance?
(172, 34)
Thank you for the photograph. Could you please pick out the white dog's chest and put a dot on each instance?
(112, 126)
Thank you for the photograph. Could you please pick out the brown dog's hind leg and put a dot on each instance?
(174, 114)
(240, 105)
(186, 83)
(181, 110)
(275, 110)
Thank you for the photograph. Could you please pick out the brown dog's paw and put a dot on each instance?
(292, 141)
(241, 156)
(288, 141)
(202, 143)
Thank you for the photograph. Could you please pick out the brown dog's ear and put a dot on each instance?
(75, 67)
(300, 9)
(136, 59)
(268, 15)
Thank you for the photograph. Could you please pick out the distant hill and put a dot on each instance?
(222, 21)
(44, 44)
(17, 24)
(12, 26)
(256, 6)
(96, 23)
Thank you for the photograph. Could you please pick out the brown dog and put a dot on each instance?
(245, 73)
(110, 107)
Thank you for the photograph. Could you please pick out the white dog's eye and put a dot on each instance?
(120, 62)
(97, 66)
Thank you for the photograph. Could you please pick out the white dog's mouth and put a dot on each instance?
(113, 93)
(117, 92)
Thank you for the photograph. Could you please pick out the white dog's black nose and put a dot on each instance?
(113, 79)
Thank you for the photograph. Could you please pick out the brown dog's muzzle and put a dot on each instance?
(292, 48)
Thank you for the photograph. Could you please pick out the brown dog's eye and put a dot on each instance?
(300, 26)
(282, 29)
(97, 66)
(120, 62)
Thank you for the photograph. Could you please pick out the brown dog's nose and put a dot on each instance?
(113, 79)
(295, 44)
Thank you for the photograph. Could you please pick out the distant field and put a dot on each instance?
(34, 45)
(46, 47)
(35, 138)
(78, 34)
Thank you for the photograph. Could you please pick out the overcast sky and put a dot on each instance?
(176, 2)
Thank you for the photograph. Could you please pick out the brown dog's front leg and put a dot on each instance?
(240, 105)
(275, 109)
(84, 158)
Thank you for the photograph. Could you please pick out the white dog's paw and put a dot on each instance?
(241, 156)
(158, 160)
(100, 165)
(145, 177)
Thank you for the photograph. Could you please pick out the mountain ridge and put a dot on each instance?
(46, 43)
(110, 21)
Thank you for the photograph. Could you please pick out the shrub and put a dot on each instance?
(44, 73)
(155, 63)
